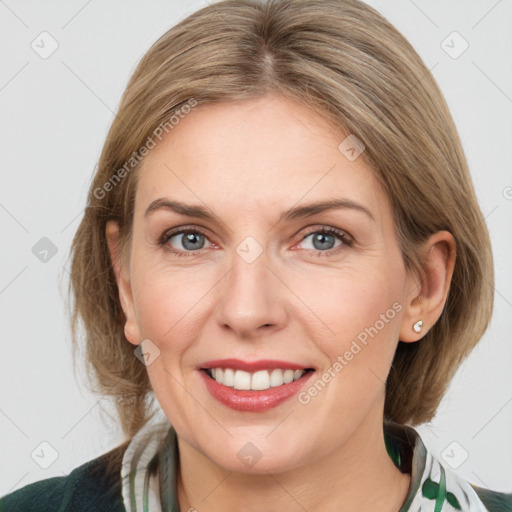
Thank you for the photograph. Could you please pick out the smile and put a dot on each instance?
(253, 386)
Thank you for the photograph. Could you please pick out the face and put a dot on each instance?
(263, 284)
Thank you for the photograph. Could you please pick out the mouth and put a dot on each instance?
(256, 386)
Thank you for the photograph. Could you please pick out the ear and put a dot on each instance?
(122, 275)
(427, 293)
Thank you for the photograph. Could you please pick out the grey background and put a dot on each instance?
(55, 113)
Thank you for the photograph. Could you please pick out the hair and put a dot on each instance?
(348, 63)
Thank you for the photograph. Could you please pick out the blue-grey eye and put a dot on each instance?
(322, 241)
(190, 240)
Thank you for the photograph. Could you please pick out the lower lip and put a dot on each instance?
(253, 401)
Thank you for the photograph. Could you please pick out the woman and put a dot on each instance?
(283, 246)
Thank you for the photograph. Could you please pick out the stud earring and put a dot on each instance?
(418, 325)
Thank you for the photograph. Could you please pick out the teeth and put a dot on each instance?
(257, 381)
(288, 376)
(276, 378)
(242, 380)
(260, 380)
(229, 377)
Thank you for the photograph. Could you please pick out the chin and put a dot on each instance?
(255, 458)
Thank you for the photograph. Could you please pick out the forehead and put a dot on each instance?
(256, 153)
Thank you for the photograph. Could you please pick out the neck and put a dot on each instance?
(358, 475)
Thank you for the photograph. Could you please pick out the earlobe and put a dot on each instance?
(123, 282)
(428, 294)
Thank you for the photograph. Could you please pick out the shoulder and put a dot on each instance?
(494, 501)
(434, 485)
(93, 486)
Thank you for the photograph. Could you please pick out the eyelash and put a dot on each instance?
(347, 241)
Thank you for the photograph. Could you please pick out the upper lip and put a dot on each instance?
(252, 366)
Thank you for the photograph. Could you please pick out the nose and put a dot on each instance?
(251, 299)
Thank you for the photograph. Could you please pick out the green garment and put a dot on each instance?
(86, 489)
(434, 487)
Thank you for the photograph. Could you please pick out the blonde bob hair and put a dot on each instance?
(343, 59)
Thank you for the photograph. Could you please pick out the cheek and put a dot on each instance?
(167, 303)
(167, 306)
(357, 310)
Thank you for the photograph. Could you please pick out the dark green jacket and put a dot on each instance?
(88, 488)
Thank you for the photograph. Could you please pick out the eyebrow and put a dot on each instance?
(296, 212)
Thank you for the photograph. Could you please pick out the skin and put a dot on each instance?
(248, 161)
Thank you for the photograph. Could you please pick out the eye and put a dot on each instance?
(324, 239)
(184, 241)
